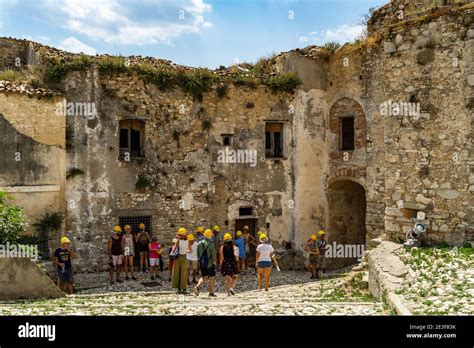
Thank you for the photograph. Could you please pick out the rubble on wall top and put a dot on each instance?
(7, 86)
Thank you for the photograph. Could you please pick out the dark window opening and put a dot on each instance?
(227, 139)
(274, 140)
(134, 221)
(347, 133)
(245, 211)
(132, 138)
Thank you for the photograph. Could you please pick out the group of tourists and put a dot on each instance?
(204, 253)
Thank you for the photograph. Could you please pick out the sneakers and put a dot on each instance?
(232, 292)
(196, 291)
(212, 295)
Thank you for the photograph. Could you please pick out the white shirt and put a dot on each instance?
(183, 246)
(193, 255)
(265, 251)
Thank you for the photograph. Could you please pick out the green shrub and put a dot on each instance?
(196, 82)
(56, 71)
(142, 183)
(207, 124)
(112, 65)
(164, 80)
(264, 65)
(284, 83)
(72, 172)
(10, 75)
(81, 62)
(12, 220)
(331, 46)
(246, 81)
(49, 222)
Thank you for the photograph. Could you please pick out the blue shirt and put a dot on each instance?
(240, 243)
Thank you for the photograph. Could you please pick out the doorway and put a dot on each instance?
(251, 223)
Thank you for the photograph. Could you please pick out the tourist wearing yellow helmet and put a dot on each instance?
(62, 259)
(128, 247)
(206, 253)
(321, 242)
(229, 255)
(240, 244)
(199, 234)
(142, 239)
(249, 241)
(313, 253)
(179, 275)
(115, 248)
(191, 258)
(263, 261)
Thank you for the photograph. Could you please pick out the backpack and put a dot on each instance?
(204, 258)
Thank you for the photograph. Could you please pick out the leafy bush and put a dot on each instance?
(264, 65)
(12, 220)
(81, 62)
(56, 71)
(48, 223)
(112, 65)
(10, 75)
(164, 80)
(246, 81)
(285, 82)
(196, 82)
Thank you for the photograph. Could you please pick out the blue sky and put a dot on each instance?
(190, 32)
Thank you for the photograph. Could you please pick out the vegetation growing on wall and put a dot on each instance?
(142, 183)
(10, 75)
(283, 83)
(12, 220)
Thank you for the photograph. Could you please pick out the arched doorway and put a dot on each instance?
(347, 209)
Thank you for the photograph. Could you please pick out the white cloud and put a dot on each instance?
(343, 33)
(123, 23)
(71, 44)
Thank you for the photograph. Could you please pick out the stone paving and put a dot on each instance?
(291, 293)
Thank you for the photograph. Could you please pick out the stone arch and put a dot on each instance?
(347, 214)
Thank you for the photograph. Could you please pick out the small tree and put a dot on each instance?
(12, 220)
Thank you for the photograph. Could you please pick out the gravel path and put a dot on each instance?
(291, 293)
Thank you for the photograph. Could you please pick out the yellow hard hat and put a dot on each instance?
(191, 237)
(117, 228)
(227, 237)
(142, 225)
(200, 229)
(238, 234)
(182, 231)
(216, 228)
(127, 226)
(321, 233)
(208, 233)
(259, 233)
(65, 240)
(263, 236)
(314, 237)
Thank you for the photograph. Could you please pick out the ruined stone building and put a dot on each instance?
(378, 131)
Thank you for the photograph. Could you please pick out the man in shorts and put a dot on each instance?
(62, 259)
(115, 254)
(313, 251)
(207, 260)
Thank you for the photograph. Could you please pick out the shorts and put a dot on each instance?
(264, 264)
(66, 276)
(192, 264)
(313, 260)
(142, 247)
(153, 261)
(117, 260)
(208, 271)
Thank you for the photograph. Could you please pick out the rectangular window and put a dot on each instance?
(245, 211)
(227, 139)
(135, 221)
(273, 140)
(347, 133)
(132, 138)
